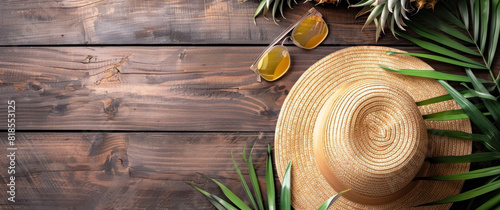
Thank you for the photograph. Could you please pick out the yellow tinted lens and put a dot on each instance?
(311, 32)
(275, 63)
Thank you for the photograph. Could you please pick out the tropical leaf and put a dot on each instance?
(331, 200)
(444, 40)
(231, 196)
(218, 202)
(442, 26)
(476, 117)
(253, 178)
(480, 173)
(285, 189)
(491, 203)
(465, 94)
(494, 32)
(244, 183)
(271, 194)
(447, 15)
(432, 74)
(485, 13)
(438, 49)
(259, 10)
(469, 194)
(475, 157)
(458, 134)
(442, 59)
(491, 104)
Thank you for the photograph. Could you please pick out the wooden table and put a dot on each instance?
(119, 103)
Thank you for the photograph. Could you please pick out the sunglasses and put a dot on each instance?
(308, 32)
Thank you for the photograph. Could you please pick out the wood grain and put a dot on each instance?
(88, 170)
(165, 22)
(153, 89)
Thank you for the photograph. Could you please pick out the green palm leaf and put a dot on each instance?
(491, 104)
(231, 196)
(458, 134)
(465, 94)
(469, 194)
(218, 202)
(442, 59)
(494, 32)
(447, 15)
(464, 12)
(432, 74)
(433, 35)
(271, 196)
(476, 117)
(442, 26)
(476, 157)
(244, 183)
(285, 189)
(491, 203)
(330, 201)
(484, 172)
(438, 49)
(485, 13)
(253, 178)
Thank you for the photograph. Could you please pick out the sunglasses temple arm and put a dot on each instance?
(283, 34)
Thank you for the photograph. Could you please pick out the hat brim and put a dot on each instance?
(294, 130)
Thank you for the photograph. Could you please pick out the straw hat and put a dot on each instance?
(348, 124)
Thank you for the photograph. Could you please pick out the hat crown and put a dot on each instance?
(372, 139)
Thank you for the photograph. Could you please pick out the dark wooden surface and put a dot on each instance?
(167, 98)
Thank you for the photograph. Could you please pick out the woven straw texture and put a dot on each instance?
(347, 123)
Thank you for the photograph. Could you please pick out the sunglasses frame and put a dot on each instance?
(311, 12)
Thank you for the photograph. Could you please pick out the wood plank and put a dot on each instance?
(165, 22)
(155, 88)
(88, 170)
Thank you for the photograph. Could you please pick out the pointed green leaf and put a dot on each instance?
(476, 117)
(484, 172)
(363, 3)
(289, 2)
(482, 95)
(281, 9)
(443, 26)
(275, 8)
(469, 194)
(494, 33)
(438, 49)
(434, 35)
(383, 18)
(375, 13)
(458, 135)
(432, 74)
(363, 11)
(465, 93)
(491, 104)
(231, 196)
(215, 200)
(491, 203)
(485, 16)
(271, 194)
(476, 19)
(259, 10)
(457, 114)
(254, 180)
(442, 59)
(464, 12)
(285, 189)
(244, 183)
(475, 157)
(331, 200)
(447, 15)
